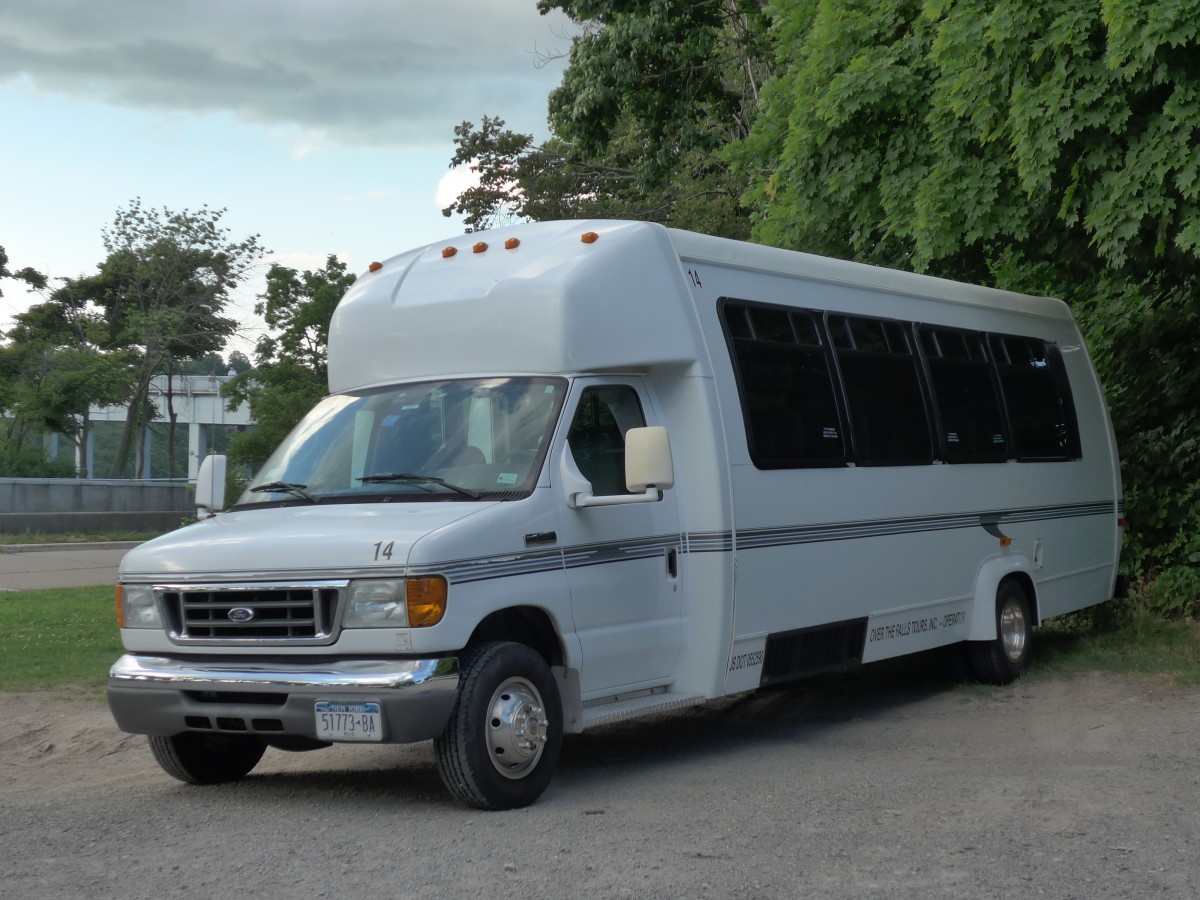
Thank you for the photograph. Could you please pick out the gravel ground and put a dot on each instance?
(1080, 788)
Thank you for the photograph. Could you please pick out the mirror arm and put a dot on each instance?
(582, 499)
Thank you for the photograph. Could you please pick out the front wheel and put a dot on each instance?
(1006, 657)
(198, 758)
(501, 745)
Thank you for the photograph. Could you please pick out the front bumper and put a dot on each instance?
(164, 696)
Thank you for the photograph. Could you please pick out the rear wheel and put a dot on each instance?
(1006, 657)
(199, 758)
(501, 745)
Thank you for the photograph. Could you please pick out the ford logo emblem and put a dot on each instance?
(240, 614)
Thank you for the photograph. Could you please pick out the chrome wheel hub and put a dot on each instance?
(516, 728)
(1013, 630)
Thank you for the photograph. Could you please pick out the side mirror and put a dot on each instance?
(648, 459)
(210, 486)
(648, 471)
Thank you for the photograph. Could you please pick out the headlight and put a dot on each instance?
(395, 603)
(137, 607)
(378, 603)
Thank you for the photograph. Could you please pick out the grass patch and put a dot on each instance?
(58, 638)
(55, 639)
(89, 537)
(1135, 642)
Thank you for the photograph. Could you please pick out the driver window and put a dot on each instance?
(597, 435)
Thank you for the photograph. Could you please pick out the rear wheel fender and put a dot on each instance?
(987, 583)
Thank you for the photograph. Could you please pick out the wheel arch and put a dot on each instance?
(992, 574)
(529, 625)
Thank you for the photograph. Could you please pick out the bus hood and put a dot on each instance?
(312, 541)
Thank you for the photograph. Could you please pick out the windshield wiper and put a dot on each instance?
(413, 476)
(285, 486)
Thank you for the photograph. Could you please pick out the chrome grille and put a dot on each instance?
(251, 613)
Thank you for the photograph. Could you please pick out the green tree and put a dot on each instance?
(56, 370)
(30, 276)
(8, 366)
(239, 362)
(214, 364)
(29, 403)
(673, 75)
(653, 91)
(1044, 146)
(291, 371)
(164, 287)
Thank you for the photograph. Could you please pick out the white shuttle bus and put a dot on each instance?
(575, 472)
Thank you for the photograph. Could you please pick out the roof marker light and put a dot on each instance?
(589, 237)
(448, 252)
(479, 248)
(512, 244)
(375, 266)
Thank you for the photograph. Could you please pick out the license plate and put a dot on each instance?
(349, 721)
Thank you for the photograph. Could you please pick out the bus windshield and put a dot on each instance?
(459, 439)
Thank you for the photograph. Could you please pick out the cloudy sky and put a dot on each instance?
(325, 126)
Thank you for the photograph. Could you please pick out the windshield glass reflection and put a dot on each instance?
(461, 439)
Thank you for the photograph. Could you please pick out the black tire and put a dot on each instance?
(501, 745)
(1005, 658)
(199, 758)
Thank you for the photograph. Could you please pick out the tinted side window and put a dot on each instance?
(1037, 398)
(883, 390)
(597, 435)
(783, 374)
(970, 422)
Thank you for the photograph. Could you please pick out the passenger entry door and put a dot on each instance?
(621, 560)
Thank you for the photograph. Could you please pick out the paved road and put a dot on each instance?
(29, 567)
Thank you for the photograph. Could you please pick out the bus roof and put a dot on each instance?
(572, 296)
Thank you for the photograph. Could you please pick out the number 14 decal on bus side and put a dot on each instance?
(383, 550)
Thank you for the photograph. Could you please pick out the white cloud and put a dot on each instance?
(353, 72)
(453, 183)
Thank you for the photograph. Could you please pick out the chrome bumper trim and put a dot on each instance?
(163, 696)
(354, 674)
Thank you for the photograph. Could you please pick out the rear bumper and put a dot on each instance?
(163, 696)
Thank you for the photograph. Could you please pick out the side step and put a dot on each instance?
(631, 706)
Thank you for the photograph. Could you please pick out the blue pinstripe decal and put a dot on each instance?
(841, 531)
(464, 571)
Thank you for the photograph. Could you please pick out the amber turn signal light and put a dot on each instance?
(426, 600)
